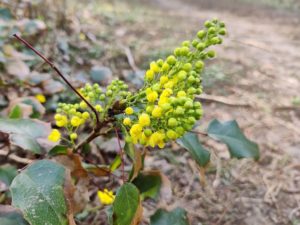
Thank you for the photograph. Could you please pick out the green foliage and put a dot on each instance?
(148, 184)
(126, 205)
(15, 113)
(38, 192)
(7, 174)
(230, 133)
(191, 143)
(25, 133)
(176, 217)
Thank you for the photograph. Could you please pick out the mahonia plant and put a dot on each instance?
(162, 110)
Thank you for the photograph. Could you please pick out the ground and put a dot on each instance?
(254, 80)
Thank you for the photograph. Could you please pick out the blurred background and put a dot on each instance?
(255, 80)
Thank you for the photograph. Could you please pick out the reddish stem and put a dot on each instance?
(121, 155)
(60, 74)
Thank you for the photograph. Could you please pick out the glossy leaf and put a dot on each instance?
(126, 205)
(176, 217)
(191, 143)
(148, 184)
(26, 133)
(38, 192)
(230, 133)
(7, 173)
(58, 150)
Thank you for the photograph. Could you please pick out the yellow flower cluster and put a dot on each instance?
(41, 98)
(106, 197)
(72, 116)
(167, 106)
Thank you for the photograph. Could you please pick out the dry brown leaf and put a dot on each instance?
(138, 215)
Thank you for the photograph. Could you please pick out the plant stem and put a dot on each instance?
(121, 155)
(61, 75)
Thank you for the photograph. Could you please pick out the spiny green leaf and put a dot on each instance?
(176, 217)
(38, 192)
(191, 143)
(126, 205)
(230, 133)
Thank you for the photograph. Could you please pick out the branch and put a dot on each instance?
(61, 75)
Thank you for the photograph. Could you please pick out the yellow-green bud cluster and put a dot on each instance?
(72, 116)
(167, 106)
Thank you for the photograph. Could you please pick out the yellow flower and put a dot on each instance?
(135, 132)
(163, 80)
(154, 67)
(61, 121)
(167, 92)
(144, 120)
(41, 98)
(54, 135)
(157, 111)
(152, 96)
(127, 121)
(157, 138)
(129, 111)
(149, 75)
(163, 100)
(76, 121)
(106, 197)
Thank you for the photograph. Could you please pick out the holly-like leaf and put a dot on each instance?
(28, 134)
(176, 217)
(11, 216)
(191, 143)
(38, 192)
(148, 184)
(7, 174)
(58, 150)
(126, 207)
(230, 133)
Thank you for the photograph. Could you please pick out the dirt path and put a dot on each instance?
(261, 59)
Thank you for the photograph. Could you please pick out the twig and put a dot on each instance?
(130, 58)
(61, 75)
(121, 155)
(223, 100)
(16, 158)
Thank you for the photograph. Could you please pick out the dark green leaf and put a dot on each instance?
(126, 205)
(15, 113)
(39, 193)
(11, 216)
(230, 133)
(7, 173)
(191, 143)
(176, 217)
(26, 133)
(148, 184)
(58, 150)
